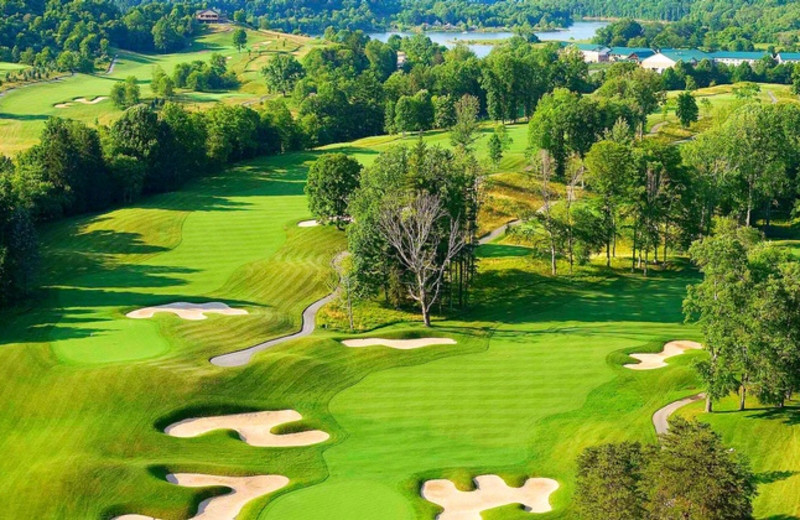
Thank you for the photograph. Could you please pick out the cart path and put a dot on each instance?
(309, 322)
(661, 417)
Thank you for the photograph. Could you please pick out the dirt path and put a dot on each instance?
(243, 357)
(656, 127)
(661, 417)
(485, 239)
(111, 65)
(772, 97)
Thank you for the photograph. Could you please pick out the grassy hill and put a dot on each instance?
(24, 110)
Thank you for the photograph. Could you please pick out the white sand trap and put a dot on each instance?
(62, 105)
(223, 507)
(401, 344)
(671, 349)
(94, 101)
(187, 311)
(253, 428)
(492, 491)
(308, 223)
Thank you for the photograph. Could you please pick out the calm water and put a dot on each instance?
(577, 31)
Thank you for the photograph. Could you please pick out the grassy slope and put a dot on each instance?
(7, 67)
(721, 99)
(23, 111)
(535, 376)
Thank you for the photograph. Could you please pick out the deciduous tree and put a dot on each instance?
(332, 179)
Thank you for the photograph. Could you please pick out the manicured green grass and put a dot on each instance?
(11, 67)
(535, 377)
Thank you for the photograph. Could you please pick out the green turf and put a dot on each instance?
(535, 376)
(11, 67)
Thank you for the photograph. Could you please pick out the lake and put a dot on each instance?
(577, 31)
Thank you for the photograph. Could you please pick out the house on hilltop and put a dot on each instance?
(208, 16)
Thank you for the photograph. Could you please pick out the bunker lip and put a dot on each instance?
(491, 491)
(93, 101)
(222, 507)
(400, 344)
(81, 100)
(187, 311)
(254, 428)
(658, 360)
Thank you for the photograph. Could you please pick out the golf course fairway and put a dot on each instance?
(535, 375)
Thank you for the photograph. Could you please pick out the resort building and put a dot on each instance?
(788, 57)
(208, 16)
(735, 58)
(668, 58)
(594, 53)
(635, 54)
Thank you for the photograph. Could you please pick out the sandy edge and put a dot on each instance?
(187, 311)
(223, 507)
(491, 491)
(671, 349)
(400, 344)
(81, 100)
(254, 428)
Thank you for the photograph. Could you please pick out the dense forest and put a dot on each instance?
(72, 35)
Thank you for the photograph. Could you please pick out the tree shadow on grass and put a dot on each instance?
(600, 295)
(502, 250)
(24, 117)
(283, 176)
(789, 415)
(769, 477)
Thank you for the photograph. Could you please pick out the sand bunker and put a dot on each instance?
(82, 100)
(671, 349)
(224, 507)
(253, 428)
(187, 311)
(307, 223)
(401, 344)
(491, 492)
(92, 102)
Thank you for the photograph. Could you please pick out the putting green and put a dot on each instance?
(349, 500)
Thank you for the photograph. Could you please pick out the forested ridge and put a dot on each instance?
(73, 35)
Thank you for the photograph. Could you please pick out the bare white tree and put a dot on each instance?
(423, 246)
